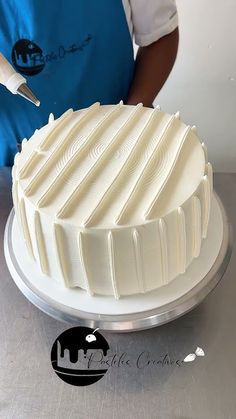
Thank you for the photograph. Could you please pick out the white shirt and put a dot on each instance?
(150, 20)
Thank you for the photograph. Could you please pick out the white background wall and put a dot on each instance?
(202, 84)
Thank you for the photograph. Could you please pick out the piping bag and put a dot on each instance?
(15, 82)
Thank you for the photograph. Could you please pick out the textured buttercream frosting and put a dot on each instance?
(114, 199)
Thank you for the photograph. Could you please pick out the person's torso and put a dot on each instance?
(73, 53)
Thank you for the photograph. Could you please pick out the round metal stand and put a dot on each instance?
(129, 313)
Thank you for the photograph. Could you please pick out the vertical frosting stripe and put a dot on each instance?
(181, 245)
(43, 259)
(60, 252)
(196, 226)
(139, 261)
(16, 160)
(164, 250)
(15, 193)
(15, 182)
(206, 204)
(15, 199)
(111, 253)
(205, 151)
(13, 172)
(82, 255)
(209, 173)
(25, 227)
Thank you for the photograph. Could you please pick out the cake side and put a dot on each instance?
(135, 254)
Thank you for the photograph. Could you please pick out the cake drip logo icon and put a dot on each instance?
(27, 57)
(72, 353)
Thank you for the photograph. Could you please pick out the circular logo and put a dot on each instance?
(27, 57)
(77, 356)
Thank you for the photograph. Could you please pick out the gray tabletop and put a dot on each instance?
(204, 388)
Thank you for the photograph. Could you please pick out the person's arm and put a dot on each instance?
(152, 67)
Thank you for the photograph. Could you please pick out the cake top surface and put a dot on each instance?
(110, 166)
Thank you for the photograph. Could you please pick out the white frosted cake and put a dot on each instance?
(113, 199)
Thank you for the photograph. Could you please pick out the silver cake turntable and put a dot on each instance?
(128, 313)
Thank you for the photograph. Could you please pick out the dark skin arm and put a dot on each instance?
(152, 67)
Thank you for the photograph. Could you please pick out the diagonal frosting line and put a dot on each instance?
(121, 173)
(45, 198)
(172, 163)
(98, 163)
(121, 216)
(28, 164)
(51, 136)
(58, 150)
